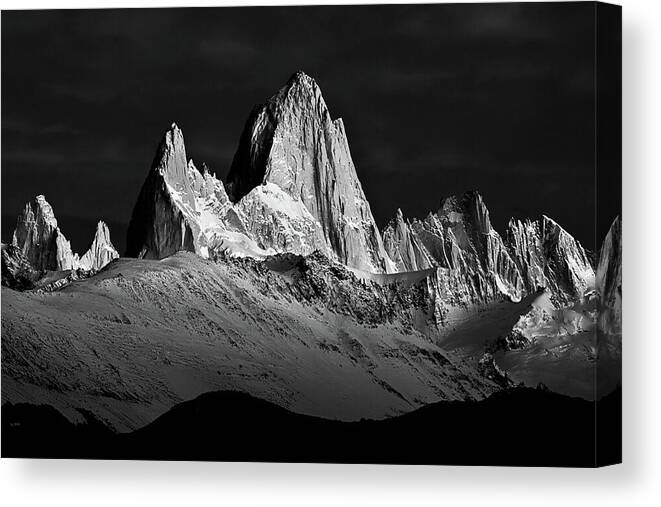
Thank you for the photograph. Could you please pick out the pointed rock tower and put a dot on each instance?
(609, 280)
(101, 251)
(549, 257)
(39, 238)
(475, 249)
(404, 247)
(292, 142)
(163, 220)
(42, 244)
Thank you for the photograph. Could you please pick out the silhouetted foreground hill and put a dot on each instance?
(516, 427)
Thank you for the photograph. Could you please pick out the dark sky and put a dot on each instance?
(436, 100)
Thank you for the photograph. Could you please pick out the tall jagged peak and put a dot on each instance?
(300, 98)
(403, 246)
(102, 232)
(298, 107)
(170, 162)
(173, 138)
(292, 143)
(43, 244)
(160, 224)
(396, 225)
(556, 237)
(36, 234)
(101, 251)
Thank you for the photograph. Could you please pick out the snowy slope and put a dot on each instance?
(143, 335)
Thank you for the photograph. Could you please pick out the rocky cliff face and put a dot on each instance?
(404, 247)
(609, 280)
(36, 236)
(100, 252)
(293, 188)
(181, 208)
(17, 272)
(163, 220)
(474, 264)
(549, 257)
(39, 242)
(477, 251)
(293, 143)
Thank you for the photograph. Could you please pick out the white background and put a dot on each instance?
(636, 482)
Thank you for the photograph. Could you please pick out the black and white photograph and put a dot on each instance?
(377, 234)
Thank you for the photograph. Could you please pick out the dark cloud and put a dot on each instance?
(436, 100)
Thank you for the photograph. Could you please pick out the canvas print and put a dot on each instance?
(346, 234)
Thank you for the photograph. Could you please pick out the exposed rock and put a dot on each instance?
(475, 266)
(477, 250)
(513, 340)
(181, 208)
(100, 252)
(44, 247)
(549, 257)
(403, 246)
(609, 280)
(292, 142)
(489, 369)
(40, 239)
(17, 272)
(293, 188)
(36, 234)
(163, 220)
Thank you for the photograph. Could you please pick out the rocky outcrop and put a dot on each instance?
(477, 251)
(549, 257)
(17, 272)
(404, 247)
(474, 265)
(609, 280)
(100, 252)
(163, 220)
(39, 243)
(39, 238)
(293, 188)
(293, 143)
(183, 208)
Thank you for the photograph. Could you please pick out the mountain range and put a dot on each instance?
(279, 283)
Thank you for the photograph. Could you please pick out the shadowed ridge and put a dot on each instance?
(518, 427)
